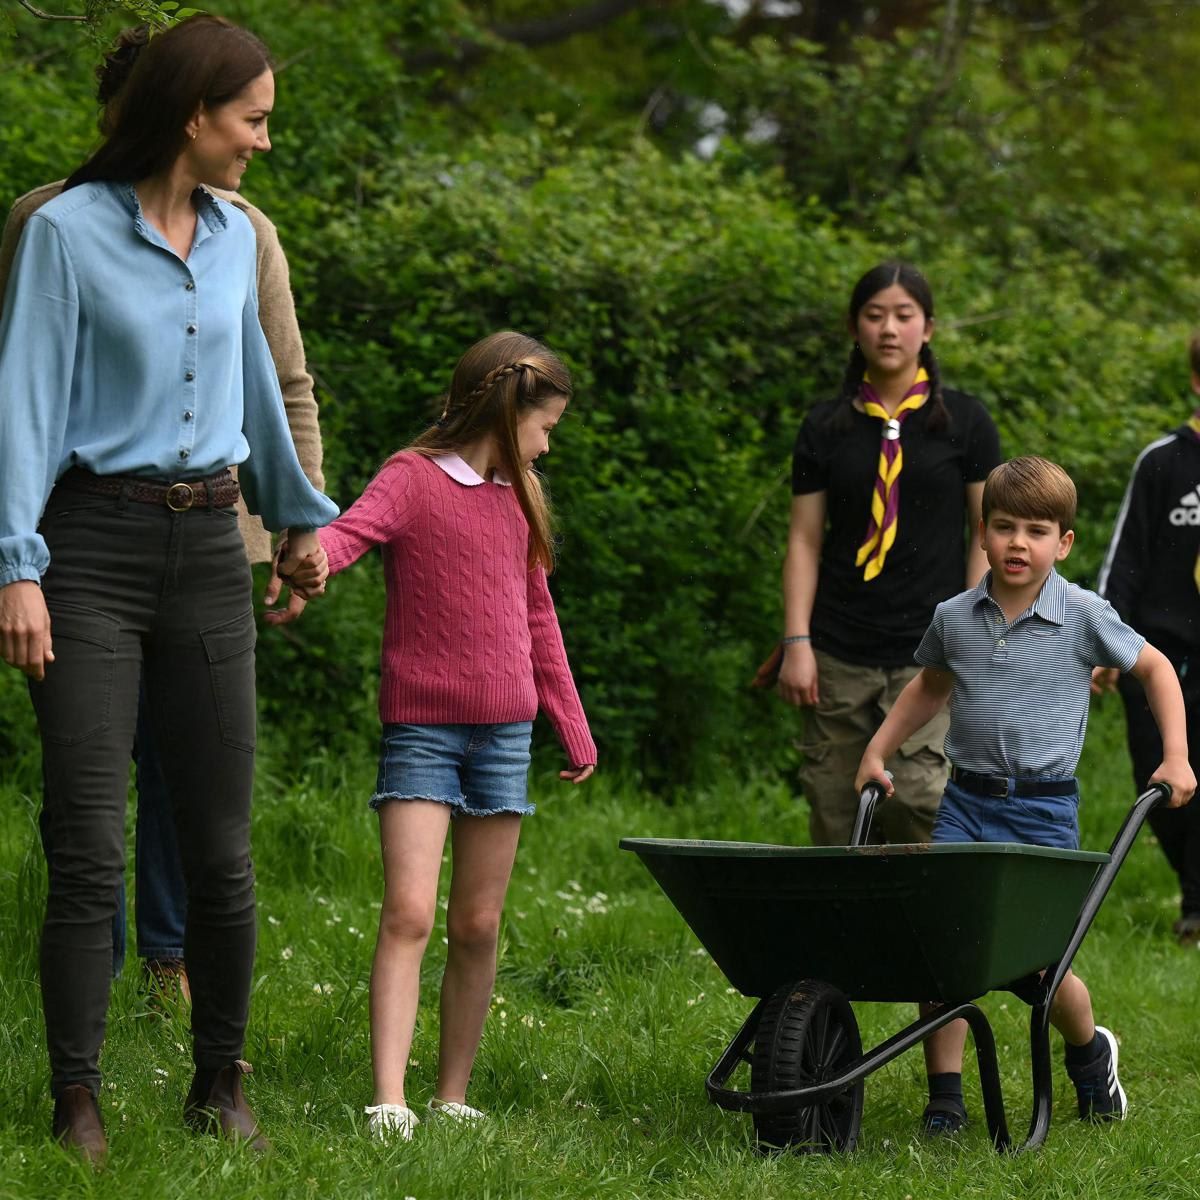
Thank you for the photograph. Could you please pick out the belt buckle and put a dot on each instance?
(997, 787)
(180, 497)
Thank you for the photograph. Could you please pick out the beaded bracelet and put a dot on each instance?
(798, 637)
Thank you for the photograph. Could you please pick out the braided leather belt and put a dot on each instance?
(217, 491)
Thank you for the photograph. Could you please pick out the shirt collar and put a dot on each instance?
(462, 472)
(208, 209)
(1050, 604)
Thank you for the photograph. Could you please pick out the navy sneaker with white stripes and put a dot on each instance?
(1101, 1096)
(943, 1118)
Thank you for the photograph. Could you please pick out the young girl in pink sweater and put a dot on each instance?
(471, 651)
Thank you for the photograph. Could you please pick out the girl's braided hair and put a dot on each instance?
(494, 385)
(885, 275)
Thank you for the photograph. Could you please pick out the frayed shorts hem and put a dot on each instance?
(457, 804)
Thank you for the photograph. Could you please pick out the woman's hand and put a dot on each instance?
(1104, 679)
(294, 607)
(798, 675)
(25, 628)
(302, 564)
(577, 774)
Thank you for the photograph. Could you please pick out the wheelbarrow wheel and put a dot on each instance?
(806, 1035)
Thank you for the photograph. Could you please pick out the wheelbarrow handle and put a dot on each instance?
(1151, 798)
(870, 797)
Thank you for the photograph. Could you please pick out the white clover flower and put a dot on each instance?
(272, 920)
(285, 953)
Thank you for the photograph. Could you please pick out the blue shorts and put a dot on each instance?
(478, 770)
(1028, 820)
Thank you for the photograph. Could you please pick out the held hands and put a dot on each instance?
(871, 770)
(798, 683)
(577, 774)
(1177, 773)
(25, 629)
(301, 563)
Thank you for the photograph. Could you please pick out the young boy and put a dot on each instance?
(1014, 658)
(1151, 576)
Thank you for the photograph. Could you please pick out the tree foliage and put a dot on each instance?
(678, 198)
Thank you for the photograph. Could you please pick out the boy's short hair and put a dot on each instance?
(1194, 351)
(1033, 488)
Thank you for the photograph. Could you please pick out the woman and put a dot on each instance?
(133, 373)
(887, 480)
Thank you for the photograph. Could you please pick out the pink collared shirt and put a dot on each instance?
(470, 634)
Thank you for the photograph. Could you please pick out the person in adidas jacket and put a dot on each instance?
(1151, 576)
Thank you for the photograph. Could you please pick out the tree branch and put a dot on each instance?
(542, 31)
(45, 16)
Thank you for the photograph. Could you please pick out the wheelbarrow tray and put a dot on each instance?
(946, 922)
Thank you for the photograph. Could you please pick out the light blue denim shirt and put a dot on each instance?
(118, 356)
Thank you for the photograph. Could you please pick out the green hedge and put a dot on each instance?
(700, 306)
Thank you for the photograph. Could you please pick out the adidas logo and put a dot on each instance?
(1188, 512)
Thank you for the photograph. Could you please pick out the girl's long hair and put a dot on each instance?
(152, 90)
(494, 385)
(917, 286)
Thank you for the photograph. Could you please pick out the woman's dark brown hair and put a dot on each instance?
(494, 385)
(202, 62)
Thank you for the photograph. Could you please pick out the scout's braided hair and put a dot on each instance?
(917, 286)
(494, 385)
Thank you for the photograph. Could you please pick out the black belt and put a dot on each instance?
(217, 491)
(997, 786)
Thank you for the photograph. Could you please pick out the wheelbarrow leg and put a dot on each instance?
(1039, 1017)
(989, 1076)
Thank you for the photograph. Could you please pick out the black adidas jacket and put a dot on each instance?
(1149, 572)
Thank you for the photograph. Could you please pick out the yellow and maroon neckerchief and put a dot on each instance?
(885, 500)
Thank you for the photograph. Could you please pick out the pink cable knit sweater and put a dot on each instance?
(470, 635)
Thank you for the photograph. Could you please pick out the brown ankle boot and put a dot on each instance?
(77, 1124)
(224, 1109)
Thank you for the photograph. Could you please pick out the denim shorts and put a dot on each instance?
(1028, 820)
(477, 770)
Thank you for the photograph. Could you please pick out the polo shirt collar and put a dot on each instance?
(462, 472)
(1050, 604)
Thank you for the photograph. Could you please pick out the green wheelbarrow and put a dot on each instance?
(807, 930)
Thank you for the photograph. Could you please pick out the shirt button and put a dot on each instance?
(191, 329)
(183, 454)
(189, 376)
(1002, 642)
(190, 286)
(188, 414)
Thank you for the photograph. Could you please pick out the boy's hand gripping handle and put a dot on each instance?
(871, 796)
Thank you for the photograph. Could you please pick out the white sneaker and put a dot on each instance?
(455, 1111)
(386, 1121)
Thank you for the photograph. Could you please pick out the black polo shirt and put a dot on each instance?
(881, 623)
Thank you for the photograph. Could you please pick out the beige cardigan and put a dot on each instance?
(276, 311)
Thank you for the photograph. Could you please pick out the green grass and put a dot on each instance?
(607, 1017)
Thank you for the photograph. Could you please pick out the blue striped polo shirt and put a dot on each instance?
(1019, 707)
